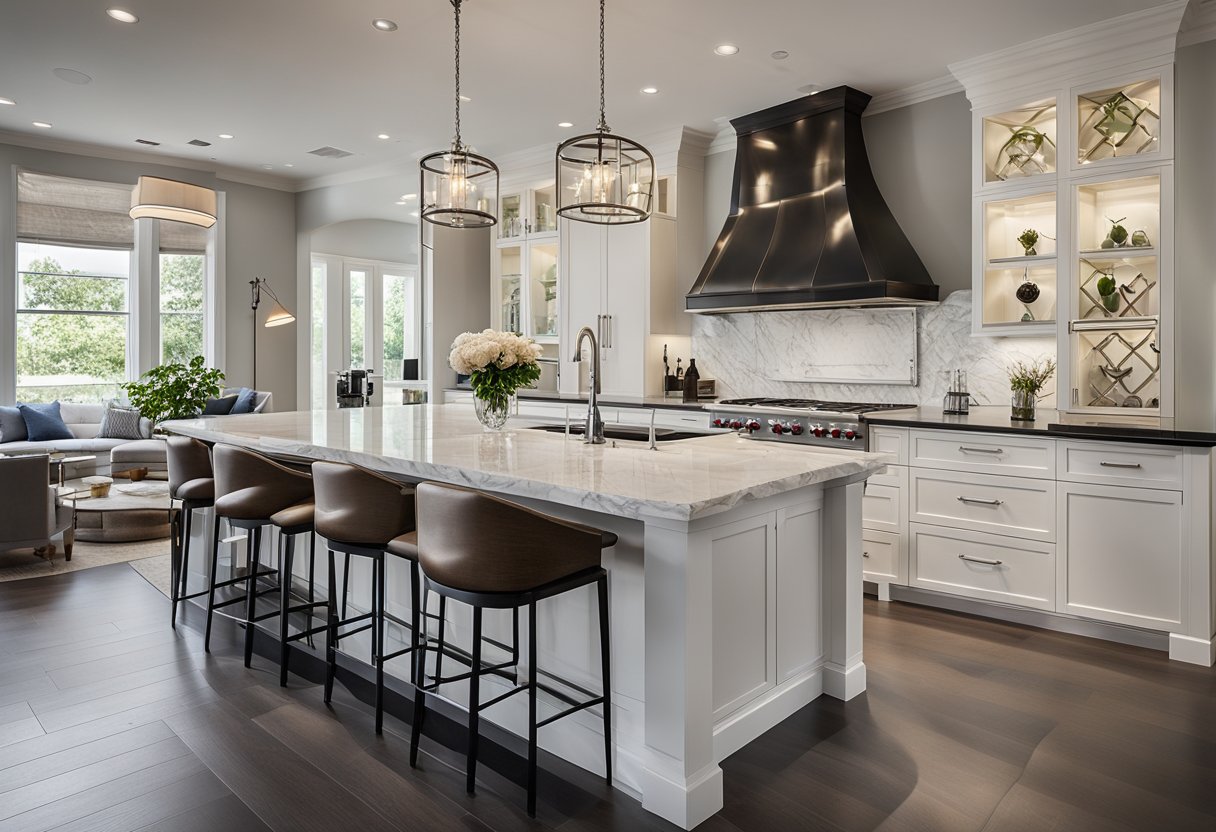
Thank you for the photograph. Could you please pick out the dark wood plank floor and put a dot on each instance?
(109, 720)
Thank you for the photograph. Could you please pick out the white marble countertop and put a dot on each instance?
(682, 480)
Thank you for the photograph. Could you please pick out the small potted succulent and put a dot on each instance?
(1026, 381)
(1117, 235)
(1028, 240)
(1109, 292)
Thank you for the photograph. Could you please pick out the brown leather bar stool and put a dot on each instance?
(253, 491)
(191, 481)
(360, 513)
(492, 554)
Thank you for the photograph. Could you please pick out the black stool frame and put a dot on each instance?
(179, 553)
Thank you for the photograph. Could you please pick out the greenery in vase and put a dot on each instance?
(1028, 240)
(1031, 377)
(174, 391)
(497, 363)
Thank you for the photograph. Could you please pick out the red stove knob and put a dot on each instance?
(718, 423)
(850, 434)
(818, 431)
(777, 428)
(835, 433)
(796, 429)
(753, 425)
(735, 424)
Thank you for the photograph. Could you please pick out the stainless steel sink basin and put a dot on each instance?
(632, 433)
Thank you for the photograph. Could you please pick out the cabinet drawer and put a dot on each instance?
(663, 418)
(892, 442)
(880, 553)
(983, 452)
(1114, 464)
(1021, 572)
(880, 507)
(1015, 506)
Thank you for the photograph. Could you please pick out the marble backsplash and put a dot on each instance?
(735, 349)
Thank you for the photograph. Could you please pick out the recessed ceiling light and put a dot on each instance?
(382, 136)
(409, 196)
(288, 165)
(383, 24)
(45, 125)
(8, 102)
(726, 49)
(226, 136)
(122, 15)
(267, 167)
(71, 76)
(465, 98)
(779, 55)
(650, 90)
(565, 124)
(809, 89)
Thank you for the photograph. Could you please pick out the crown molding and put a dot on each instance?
(1199, 23)
(915, 94)
(1140, 39)
(220, 172)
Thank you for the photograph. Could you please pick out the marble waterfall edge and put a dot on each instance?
(737, 349)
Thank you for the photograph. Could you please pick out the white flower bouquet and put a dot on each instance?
(498, 363)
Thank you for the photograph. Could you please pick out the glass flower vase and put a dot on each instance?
(492, 414)
(1022, 406)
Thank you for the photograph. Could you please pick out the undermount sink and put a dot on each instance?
(632, 433)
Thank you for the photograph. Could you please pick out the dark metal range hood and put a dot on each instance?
(808, 227)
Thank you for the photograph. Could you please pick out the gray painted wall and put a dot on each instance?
(259, 234)
(394, 242)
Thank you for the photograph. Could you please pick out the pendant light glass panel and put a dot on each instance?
(455, 189)
(604, 178)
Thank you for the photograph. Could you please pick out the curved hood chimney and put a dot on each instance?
(808, 227)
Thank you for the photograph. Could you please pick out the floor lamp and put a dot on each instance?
(278, 316)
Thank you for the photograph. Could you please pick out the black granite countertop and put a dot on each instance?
(1056, 424)
(673, 403)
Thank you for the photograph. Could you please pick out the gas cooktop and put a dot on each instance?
(813, 405)
(802, 421)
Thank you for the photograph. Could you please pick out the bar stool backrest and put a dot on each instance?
(361, 507)
(479, 543)
(188, 459)
(251, 486)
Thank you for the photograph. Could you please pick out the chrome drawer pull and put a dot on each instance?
(980, 501)
(1105, 464)
(984, 561)
(865, 554)
(968, 450)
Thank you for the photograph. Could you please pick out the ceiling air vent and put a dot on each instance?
(148, 142)
(331, 152)
(199, 143)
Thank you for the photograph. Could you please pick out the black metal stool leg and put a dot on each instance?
(378, 658)
(606, 661)
(419, 694)
(331, 634)
(286, 562)
(532, 674)
(439, 652)
(345, 584)
(474, 701)
(175, 564)
(215, 565)
(185, 521)
(251, 582)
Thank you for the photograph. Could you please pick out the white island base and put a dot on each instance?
(725, 620)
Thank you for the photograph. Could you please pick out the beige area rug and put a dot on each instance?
(20, 564)
(156, 571)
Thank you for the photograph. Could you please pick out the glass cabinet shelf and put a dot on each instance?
(1020, 143)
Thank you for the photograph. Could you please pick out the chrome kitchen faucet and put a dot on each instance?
(593, 433)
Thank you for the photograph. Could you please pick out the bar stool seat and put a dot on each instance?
(199, 489)
(493, 554)
(405, 546)
(300, 516)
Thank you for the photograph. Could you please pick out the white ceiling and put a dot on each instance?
(288, 76)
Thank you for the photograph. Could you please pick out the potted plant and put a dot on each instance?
(1026, 381)
(498, 364)
(1028, 240)
(1109, 292)
(174, 391)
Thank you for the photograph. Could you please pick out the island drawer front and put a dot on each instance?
(1016, 506)
(880, 507)
(662, 418)
(880, 556)
(984, 453)
(893, 442)
(1114, 464)
(984, 566)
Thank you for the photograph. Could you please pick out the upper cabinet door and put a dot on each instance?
(627, 296)
(581, 298)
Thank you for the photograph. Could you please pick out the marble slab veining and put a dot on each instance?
(681, 480)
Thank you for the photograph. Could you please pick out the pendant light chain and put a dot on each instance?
(456, 143)
(603, 126)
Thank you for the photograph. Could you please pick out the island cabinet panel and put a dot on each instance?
(880, 507)
(1123, 555)
(1017, 506)
(745, 608)
(983, 453)
(799, 581)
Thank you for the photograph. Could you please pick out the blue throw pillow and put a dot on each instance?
(12, 426)
(245, 400)
(43, 422)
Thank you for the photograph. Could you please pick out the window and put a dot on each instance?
(72, 322)
(357, 279)
(182, 303)
(399, 322)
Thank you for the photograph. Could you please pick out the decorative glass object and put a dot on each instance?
(1020, 142)
(1118, 122)
(1022, 406)
(1118, 364)
(493, 414)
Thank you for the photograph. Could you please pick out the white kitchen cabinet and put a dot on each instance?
(985, 566)
(884, 559)
(1123, 555)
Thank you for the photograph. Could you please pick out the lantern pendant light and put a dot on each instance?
(457, 183)
(603, 178)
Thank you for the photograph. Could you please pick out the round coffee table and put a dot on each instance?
(131, 511)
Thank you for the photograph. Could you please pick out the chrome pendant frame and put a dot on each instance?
(575, 157)
(435, 169)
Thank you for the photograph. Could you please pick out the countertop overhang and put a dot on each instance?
(683, 480)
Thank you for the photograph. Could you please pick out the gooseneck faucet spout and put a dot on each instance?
(594, 432)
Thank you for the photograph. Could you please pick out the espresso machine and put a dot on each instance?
(355, 388)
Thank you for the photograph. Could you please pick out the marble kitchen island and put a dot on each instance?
(736, 585)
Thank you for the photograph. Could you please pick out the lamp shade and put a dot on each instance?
(168, 199)
(279, 315)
